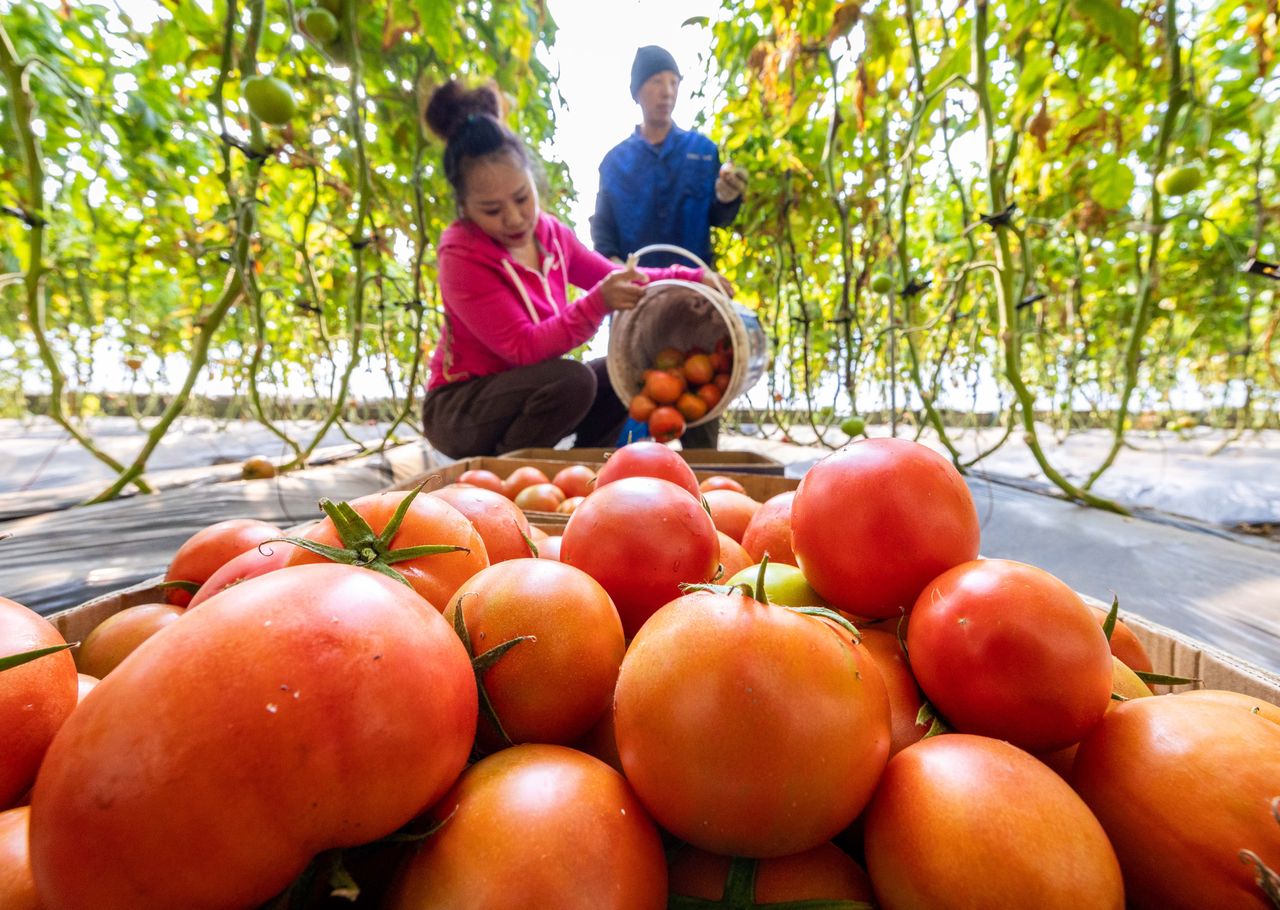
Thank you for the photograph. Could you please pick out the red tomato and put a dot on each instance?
(663, 387)
(35, 697)
(733, 559)
(874, 522)
(1182, 786)
(251, 563)
(1006, 650)
(1124, 644)
(485, 480)
(641, 538)
(649, 459)
(314, 707)
(691, 407)
(641, 407)
(430, 520)
(711, 394)
(499, 521)
(85, 685)
(731, 511)
(575, 480)
(552, 687)
(769, 531)
(550, 548)
(540, 497)
(205, 551)
(1249, 703)
(1125, 683)
(720, 482)
(521, 477)
(666, 424)
(116, 637)
(570, 505)
(537, 826)
(711, 736)
(904, 695)
(967, 821)
(698, 369)
(17, 887)
(825, 873)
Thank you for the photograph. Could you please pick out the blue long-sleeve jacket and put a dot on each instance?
(660, 194)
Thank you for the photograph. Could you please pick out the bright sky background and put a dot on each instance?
(595, 43)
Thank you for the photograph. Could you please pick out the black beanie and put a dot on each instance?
(649, 61)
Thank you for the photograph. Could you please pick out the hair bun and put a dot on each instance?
(452, 104)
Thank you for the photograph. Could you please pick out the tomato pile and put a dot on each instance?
(690, 698)
(681, 387)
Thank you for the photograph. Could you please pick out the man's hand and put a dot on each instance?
(622, 288)
(731, 183)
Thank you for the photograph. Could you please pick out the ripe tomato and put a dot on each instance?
(641, 407)
(698, 369)
(720, 482)
(1249, 703)
(874, 522)
(641, 538)
(550, 548)
(663, 387)
(1125, 683)
(499, 521)
(552, 687)
(521, 477)
(569, 505)
(116, 637)
(430, 521)
(733, 559)
(649, 459)
(1006, 650)
(711, 394)
(1182, 786)
(1124, 644)
(314, 707)
(17, 887)
(537, 826)
(575, 480)
(709, 735)
(486, 480)
(666, 424)
(205, 551)
(540, 497)
(904, 695)
(691, 407)
(84, 685)
(769, 531)
(255, 561)
(668, 359)
(967, 821)
(825, 873)
(731, 511)
(35, 697)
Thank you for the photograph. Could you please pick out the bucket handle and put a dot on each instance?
(679, 251)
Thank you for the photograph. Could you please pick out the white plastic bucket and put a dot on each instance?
(684, 314)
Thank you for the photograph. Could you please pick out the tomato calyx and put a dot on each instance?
(929, 715)
(190, 587)
(533, 547)
(1268, 879)
(480, 664)
(362, 546)
(740, 894)
(24, 657)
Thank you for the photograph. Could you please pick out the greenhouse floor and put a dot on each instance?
(1176, 561)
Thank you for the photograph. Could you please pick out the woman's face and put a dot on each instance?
(502, 200)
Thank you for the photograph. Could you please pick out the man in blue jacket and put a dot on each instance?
(663, 184)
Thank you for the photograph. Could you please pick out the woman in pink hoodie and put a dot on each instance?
(499, 379)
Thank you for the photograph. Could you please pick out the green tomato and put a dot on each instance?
(853, 425)
(783, 584)
(269, 99)
(333, 6)
(319, 23)
(881, 283)
(1180, 180)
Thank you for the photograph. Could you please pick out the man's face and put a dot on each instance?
(657, 96)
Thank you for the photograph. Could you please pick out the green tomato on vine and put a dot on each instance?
(319, 23)
(269, 99)
(853, 425)
(881, 283)
(1179, 181)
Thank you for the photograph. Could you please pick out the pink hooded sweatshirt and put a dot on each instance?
(500, 314)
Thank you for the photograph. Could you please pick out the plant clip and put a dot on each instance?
(306, 307)
(915, 286)
(1259, 267)
(361, 243)
(415, 304)
(251, 154)
(29, 219)
(998, 219)
(1029, 299)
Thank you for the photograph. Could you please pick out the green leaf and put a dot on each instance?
(1114, 23)
(1111, 183)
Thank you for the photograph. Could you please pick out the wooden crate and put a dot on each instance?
(712, 460)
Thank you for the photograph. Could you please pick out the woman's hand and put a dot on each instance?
(621, 288)
(719, 282)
